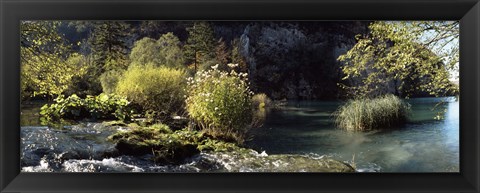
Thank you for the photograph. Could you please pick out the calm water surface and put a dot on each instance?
(424, 144)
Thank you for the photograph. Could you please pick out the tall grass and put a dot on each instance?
(370, 114)
(261, 100)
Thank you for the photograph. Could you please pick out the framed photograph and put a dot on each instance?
(247, 96)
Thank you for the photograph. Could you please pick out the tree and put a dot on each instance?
(166, 51)
(387, 58)
(237, 57)
(200, 45)
(47, 62)
(442, 37)
(108, 43)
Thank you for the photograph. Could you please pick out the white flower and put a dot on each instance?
(232, 65)
(215, 67)
(216, 108)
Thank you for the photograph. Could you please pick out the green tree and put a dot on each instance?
(442, 37)
(108, 44)
(47, 62)
(387, 58)
(237, 57)
(166, 51)
(200, 45)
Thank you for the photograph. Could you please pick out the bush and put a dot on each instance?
(369, 114)
(102, 106)
(159, 89)
(220, 103)
(109, 80)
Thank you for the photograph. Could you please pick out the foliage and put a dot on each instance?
(47, 63)
(73, 107)
(384, 60)
(165, 51)
(108, 45)
(88, 81)
(159, 89)
(109, 80)
(369, 114)
(442, 37)
(237, 57)
(220, 103)
(200, 45)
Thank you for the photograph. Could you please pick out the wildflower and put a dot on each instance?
(232, 65)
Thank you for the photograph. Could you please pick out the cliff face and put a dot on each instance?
(295, 60)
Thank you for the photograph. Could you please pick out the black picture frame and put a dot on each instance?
(467, 11)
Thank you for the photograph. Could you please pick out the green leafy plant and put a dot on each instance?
(73, 107)
(369, 114)
(220, 103)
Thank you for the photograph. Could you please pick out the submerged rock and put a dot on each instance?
(255, 162)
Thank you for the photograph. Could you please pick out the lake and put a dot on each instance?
(424, 144)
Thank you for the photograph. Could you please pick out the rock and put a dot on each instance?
(255, 162)
(297, 60)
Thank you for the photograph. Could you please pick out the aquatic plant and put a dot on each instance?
(219, 102)
(103, 106)
(369, 114)
(261, 100)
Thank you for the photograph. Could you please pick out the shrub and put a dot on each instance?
(159, 89)
(220, 103)
(369, 114)
(102, 106)
(109, 80)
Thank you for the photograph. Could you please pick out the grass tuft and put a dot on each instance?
(371, 114)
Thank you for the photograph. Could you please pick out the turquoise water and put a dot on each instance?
(424, 144)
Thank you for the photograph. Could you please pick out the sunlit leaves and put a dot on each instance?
(47, 65)
(166, 51)
(390, 55)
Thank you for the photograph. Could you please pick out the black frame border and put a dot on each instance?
(467, 11)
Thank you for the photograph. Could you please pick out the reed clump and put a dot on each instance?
(370, 114)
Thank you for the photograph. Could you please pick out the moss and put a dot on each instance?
(166, 145)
